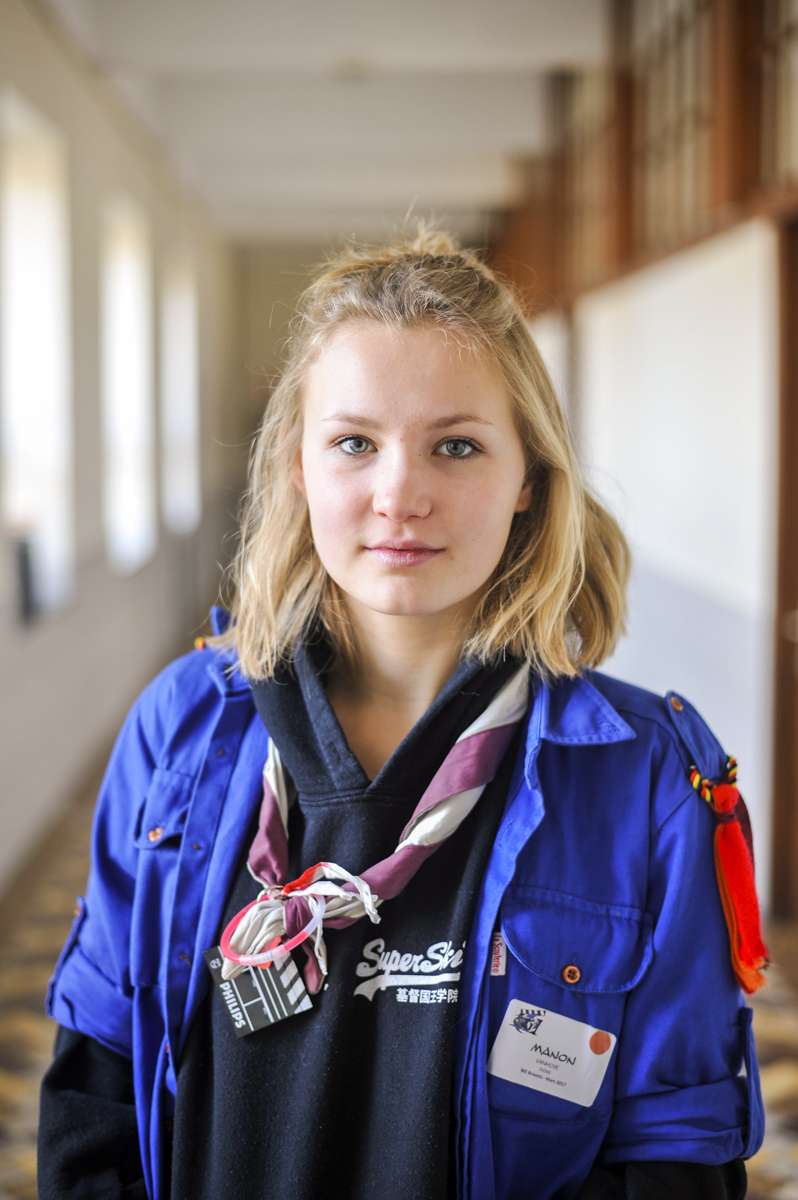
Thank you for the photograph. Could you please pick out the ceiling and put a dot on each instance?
(302, 119)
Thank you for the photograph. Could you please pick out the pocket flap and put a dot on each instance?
(163, 815)
(581, 945)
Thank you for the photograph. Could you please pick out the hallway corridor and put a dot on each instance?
(171, 174)
(36, 920)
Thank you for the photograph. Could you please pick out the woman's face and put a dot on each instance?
(412, 468)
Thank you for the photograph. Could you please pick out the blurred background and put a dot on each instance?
(170, 171)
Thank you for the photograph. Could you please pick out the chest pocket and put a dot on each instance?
(159, 835)
(163, 814)
(577, 945)
(577, 958)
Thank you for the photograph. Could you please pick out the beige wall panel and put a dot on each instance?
(272, 278)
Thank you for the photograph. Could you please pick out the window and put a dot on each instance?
(181, 499)
(585, 115)
(671, 56)
(780, 93)
(35, 355)
(129, 512)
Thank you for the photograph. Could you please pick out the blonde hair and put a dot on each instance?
(557, 596)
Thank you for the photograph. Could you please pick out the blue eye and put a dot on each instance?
(457, 448)
(354, 445)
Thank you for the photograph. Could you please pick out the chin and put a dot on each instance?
(404, 605)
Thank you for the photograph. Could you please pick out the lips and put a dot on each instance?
(403, 554)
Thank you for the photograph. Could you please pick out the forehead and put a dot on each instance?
(369, 363)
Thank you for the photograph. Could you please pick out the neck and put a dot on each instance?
(402, 664)
(406, 660)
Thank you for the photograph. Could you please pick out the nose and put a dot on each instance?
(401, 490)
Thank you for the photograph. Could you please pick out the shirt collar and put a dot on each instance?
(568, 711)
(571, 712)
(223, 666)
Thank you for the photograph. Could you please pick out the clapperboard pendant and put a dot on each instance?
(257, 998)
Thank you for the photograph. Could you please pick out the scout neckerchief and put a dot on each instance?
(327, 894)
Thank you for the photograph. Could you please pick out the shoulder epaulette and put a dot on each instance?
(733, 843)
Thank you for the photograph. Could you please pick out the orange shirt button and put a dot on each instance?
(155, 834)
(571, 974)
(676, 704)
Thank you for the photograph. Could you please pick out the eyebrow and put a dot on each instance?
(442, 422)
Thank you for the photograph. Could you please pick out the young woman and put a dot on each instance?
(391, 895)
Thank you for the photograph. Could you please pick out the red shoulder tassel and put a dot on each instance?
(734, 867)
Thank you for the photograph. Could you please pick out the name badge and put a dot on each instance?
(550, 1053)
(257, 997)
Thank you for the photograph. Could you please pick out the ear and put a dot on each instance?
(524, 498)
(298, 475)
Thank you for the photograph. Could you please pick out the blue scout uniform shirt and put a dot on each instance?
(603, 861)
(364, 1079)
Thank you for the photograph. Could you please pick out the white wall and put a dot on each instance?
(66, 680)
(677, 371)
(552, 334)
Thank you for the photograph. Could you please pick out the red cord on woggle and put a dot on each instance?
(275, 951)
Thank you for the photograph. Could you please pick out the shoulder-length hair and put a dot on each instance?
(557, 596)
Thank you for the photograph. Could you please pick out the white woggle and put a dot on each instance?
(265, 921)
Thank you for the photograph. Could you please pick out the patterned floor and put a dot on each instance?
(36, 917)
(773, 1172)
(35, 920)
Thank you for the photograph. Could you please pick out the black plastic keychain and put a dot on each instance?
(259, 996)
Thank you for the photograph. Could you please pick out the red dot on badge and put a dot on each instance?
(600, 1042)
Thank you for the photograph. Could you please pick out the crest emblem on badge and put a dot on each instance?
(528, 1020)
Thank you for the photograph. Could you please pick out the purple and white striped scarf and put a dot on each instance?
(327, 894)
